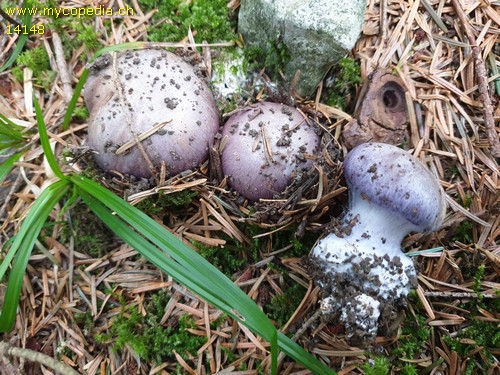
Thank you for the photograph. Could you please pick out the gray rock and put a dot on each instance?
(315, 33)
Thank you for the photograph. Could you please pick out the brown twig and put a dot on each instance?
(62, 67)
(7, 350)
(482, 81)
(8, 18)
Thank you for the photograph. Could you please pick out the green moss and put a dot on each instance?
(85, 34)
(377, 366)
(210, 19)
(228, 259)
(36, 59)
(158, 204)
(85, 320)
(409, 369)
(81, 113)
(274, 57)
(415, 334)
(479, 334)
(346, 75)
(463, 233)
(149, 339)
(476, 286)
(234, 256)
(282, 306)
(91, 236)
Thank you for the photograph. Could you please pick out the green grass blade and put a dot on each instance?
(200, 285)
(300, 355)
(428, 7)
(17, 51)
(153, 253)
(44, 140)
(22, 246)
(121, 47)
(10, 130)
(7, 165)
(494, 71)
(74, 99)
(4, 146)
(214, 280)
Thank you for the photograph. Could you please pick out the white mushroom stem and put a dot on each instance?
(376, 229)
(374, 237)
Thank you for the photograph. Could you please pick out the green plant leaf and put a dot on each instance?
(74, 99)
(22, 246)
(17, 51)
(7, 165)
(10, 130)
(293, 350)
(44, 140)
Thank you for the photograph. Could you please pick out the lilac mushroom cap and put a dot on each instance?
(265, 145)
(155, 95)
(394, 180)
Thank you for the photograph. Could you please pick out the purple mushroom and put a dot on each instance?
(361, 268)
(265, 146)
(154, 98)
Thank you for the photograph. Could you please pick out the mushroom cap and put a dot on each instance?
(392, 178)
(265, 145)
(140, 90)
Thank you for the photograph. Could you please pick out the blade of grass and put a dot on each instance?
(17, 51)
(143, 45)
(7, 165)
(428, 7)
(198, 284)
(10, 130)
(74, 99)
(22, 246)
(155, 255)
(293, 350)
(494, 71)
(44, 140)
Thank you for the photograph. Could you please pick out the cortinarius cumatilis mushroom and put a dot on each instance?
(362, 269)
(148, 107)
(264, 146)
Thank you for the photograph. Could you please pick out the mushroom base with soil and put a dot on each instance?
(364, 276)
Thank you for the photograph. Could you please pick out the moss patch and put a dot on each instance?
(282, 306)
(158, 204)
(149, 339)
(210, 19)
(344, 78)
(480, 334)
(37, 60)
(91, 236)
